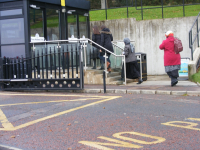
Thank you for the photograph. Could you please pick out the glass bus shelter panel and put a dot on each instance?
(13, 51)
(12, 31)
(52, 16)
(83, 26)
(72, 25)
(11, 12)
(36, 22)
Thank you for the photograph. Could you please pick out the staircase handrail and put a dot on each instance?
(191, 41)
(84, 41)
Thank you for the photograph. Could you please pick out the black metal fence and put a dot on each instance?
(51, 68)
(139, 5)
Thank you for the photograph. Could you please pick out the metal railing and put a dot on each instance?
(113, 54)
(83, 43)
(48, 68)
(195, 33)
(141, 7)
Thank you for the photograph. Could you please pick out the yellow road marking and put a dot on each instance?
(7, 128)
(118, 143)
(5, 123)
(119, 136)
(190, 125)
(195, 119)
(48, 102)
(11, 94)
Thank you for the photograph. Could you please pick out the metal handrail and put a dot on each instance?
(84, 46)
(191, 41)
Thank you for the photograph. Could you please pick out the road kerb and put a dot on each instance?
(148, 92)
(160, 92)
(92, 91)
(133, 91)
(108, 90)
(179, 92)
(120, 91)
(193, 93)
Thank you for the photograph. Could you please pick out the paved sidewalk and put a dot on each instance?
(154, 85)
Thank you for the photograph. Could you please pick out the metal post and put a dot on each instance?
(192, 53)
(162, 7)
(84, 46)
(76, 61)
(47, 62)
(184, 8)
(14, 69)
(22, 69)
(124, 70)
(50, 63)
(191, 44)
(59, 61)
(197, 33)
(34, 65)
(105, 63)
(106, 9)
(141, 10)
(141, 66)
(72, 61)
(104, 81)
(42, 65)
(127, 7)
(115, 57)
(54, 62)
(38, 65)
(63, 65)
(68, 61)
(6, 66)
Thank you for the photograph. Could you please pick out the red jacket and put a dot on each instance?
(170, 58)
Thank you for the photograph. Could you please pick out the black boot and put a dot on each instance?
(140, 81)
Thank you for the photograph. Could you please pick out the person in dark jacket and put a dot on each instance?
(172, 61)
(106, 38)
(96, 37)
(132, 68)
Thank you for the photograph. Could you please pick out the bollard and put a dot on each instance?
(104, 81)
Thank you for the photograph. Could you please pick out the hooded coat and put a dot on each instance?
(130, 56)
(106, 38)
(170, 57)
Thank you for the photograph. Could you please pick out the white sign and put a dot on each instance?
(37, 38)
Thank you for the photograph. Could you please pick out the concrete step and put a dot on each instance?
(112, 74)
(114, 78)
(121, 82)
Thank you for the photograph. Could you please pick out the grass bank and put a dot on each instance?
(148, 14)
(195, 77)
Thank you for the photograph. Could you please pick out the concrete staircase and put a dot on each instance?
(95, 76)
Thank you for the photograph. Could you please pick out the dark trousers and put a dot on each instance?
(103, 58)
(173, 75)
(132, 70)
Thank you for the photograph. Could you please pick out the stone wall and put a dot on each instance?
(149, 34)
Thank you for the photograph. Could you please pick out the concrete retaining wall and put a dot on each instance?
(149, 34)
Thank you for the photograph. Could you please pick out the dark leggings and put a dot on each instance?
(173, 75)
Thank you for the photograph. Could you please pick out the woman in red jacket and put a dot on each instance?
(172, 61)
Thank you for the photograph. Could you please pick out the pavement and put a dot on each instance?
(154, 85)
